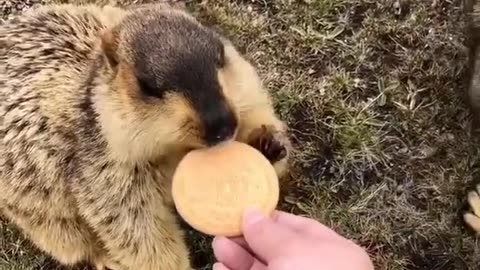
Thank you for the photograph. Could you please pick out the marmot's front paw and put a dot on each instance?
(272, 143)
(473, 219)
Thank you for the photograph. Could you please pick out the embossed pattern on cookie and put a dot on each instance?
(213, 187)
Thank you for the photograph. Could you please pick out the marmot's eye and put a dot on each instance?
(220, 57)
(150, 88)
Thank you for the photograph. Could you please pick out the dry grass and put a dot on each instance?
(374, 97)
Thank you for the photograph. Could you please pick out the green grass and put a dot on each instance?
(374, 100)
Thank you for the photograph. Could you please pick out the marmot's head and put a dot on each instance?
(170, 83)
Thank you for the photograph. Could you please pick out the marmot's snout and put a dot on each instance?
(220, 124)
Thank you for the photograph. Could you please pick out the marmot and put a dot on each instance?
(472, 8)
(97, 106)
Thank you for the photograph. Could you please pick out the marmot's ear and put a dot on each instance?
(109, 39)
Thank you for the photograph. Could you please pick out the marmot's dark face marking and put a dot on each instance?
(174, 66)
(183, 58)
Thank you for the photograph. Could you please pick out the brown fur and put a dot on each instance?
(85, 161)
(472, 8)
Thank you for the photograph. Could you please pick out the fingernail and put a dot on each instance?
(217, 266)
(216, 240)
(253, 216)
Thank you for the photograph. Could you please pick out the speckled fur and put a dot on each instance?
(472, 8)
(473, 11)
(85, 170)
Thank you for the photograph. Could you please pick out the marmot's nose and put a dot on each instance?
(220, 127)
(222, 134)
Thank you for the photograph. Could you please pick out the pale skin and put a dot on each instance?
(311, 245)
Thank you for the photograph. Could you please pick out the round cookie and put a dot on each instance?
(213, 187)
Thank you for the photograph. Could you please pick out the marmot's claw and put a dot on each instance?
(269, 142)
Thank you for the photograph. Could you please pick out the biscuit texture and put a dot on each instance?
(213, 188)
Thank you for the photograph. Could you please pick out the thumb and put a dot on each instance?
(266, 238)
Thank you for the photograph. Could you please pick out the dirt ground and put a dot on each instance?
(373, 93)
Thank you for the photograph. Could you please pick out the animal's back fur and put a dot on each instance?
(45, 64)
(65, 176)
(472, 8)
(51, 149)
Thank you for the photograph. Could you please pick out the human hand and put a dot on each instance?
(288, 242)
